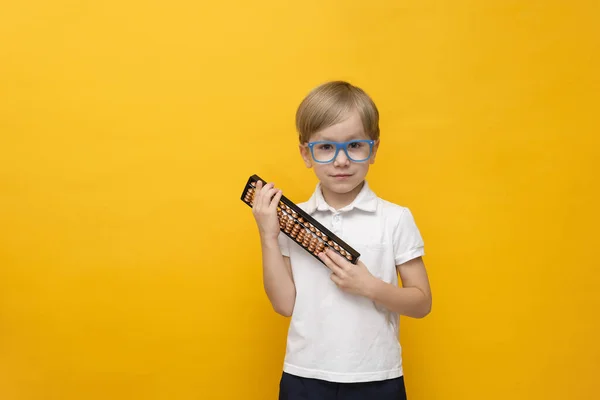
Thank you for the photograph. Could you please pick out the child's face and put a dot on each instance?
(342, 175)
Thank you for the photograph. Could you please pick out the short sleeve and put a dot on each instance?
(284, 244)
(408, 243)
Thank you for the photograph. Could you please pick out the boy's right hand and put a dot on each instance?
(264, 209)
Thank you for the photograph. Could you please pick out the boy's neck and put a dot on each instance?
(341, 200)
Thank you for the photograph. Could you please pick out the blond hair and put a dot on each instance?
(329, 104)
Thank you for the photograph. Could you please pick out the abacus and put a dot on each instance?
(302, 227)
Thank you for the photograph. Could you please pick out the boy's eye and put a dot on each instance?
(325, 147)
(355, 145)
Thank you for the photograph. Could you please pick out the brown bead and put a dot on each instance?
(349, 257)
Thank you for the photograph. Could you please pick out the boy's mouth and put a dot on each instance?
(341, 176)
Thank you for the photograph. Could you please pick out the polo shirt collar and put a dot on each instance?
(366, 200)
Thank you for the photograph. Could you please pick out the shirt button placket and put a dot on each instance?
(336, 222)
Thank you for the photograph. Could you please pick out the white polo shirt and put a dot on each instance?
(337, 336)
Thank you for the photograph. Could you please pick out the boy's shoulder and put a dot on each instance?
(392, 209)
(396, 216)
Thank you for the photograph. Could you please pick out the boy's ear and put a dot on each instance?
(375, 148)
(305, 153)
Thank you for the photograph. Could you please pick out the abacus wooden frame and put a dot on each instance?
(308, 218)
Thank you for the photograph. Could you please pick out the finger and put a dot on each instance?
(257, 195)
(337, 259)
(264, 188)
(276, 198)
(336, 279)
(269, 191)
(331, 264)
(259, 199)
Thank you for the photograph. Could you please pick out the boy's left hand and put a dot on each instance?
(349, 277)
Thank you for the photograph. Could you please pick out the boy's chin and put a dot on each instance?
(342, 186)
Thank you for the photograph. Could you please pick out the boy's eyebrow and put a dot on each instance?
(355, 136)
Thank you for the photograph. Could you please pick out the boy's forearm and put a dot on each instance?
(408, 301)
(277, 278)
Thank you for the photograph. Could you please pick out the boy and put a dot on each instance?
(343, 336)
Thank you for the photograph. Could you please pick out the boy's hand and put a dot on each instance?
(264, 209)
(348, 277)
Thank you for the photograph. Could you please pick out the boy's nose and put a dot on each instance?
(341, 158)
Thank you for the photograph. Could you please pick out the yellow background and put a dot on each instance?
(130, 269)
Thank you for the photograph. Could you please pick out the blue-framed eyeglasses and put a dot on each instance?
(326, 151)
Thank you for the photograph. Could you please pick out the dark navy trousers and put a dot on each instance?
(293, 387)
